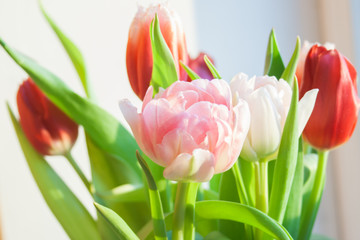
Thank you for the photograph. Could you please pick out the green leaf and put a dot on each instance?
(228, 192)
(69, 211)
(124, 193)
(164, 69)
(241, 213)
(289, 72)
(157, 213)
(111, 180)
(72, 50)
(117, 224)
(189, 71)
(216, 236)
(103, 128)
(285, 164)
(274, 65)
(210, 210)
(212, 68)
(319, 237)
(293, 210)
(310, 166)
(248, 174)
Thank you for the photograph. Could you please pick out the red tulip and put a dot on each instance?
(304, 52)
(336, 109)
(199, 66)
(48, 129)
(139, 59)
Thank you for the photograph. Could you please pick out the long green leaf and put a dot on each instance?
(289, 72)
(157, 213)
(103, 128)
(286, 162)
(206, 210)
(112, 177)
(189, 71)
(319, 237)
(241, 213)
(228, 192)
(310, 166)
(72, 50)
(164, 69)
(293, 209)
(66, 207)
(274, 65)
(212, 68)
(248, 173)
(117, 224)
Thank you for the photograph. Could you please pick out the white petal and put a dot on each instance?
(265, 129)
(306, 106)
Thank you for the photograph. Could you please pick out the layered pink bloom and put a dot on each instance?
(191, 128)
(199, 66)
(48, 129)
(139, 60)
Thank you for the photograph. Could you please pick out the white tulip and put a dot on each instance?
(269, 102)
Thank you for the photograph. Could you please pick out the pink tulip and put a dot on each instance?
(191, 128)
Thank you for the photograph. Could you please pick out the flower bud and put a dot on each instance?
(139, 59)
(191, 128)
(336, 110)
(199, 66)
(48, 129)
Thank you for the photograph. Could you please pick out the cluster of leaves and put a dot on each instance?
(131, 206)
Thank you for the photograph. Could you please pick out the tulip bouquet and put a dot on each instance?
(207, 158)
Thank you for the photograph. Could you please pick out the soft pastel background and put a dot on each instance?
(233, 32)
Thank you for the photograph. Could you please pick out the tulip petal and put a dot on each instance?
(306, 106)
(197, 167)
(265, 126)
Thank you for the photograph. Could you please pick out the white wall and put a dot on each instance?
(100, 28)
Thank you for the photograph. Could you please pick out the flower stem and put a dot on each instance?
(239, 184)
(184, 211)
(261, 176)
(242, 194)
(261, 186)
(76, 167)
(179, 211)
(189, 228)
(310, 211)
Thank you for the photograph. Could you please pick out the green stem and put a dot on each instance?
(261, 203)
(242, 194)
(189, 227)
(76, 167)
(180, 211)
(165, 195)
(308, 218)
(239, 184)
(261, 186)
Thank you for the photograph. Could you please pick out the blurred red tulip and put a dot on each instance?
(336, 109)
(199, 66)
(139, 59)
(48, 129)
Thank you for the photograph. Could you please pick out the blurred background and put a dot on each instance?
(233, 32)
